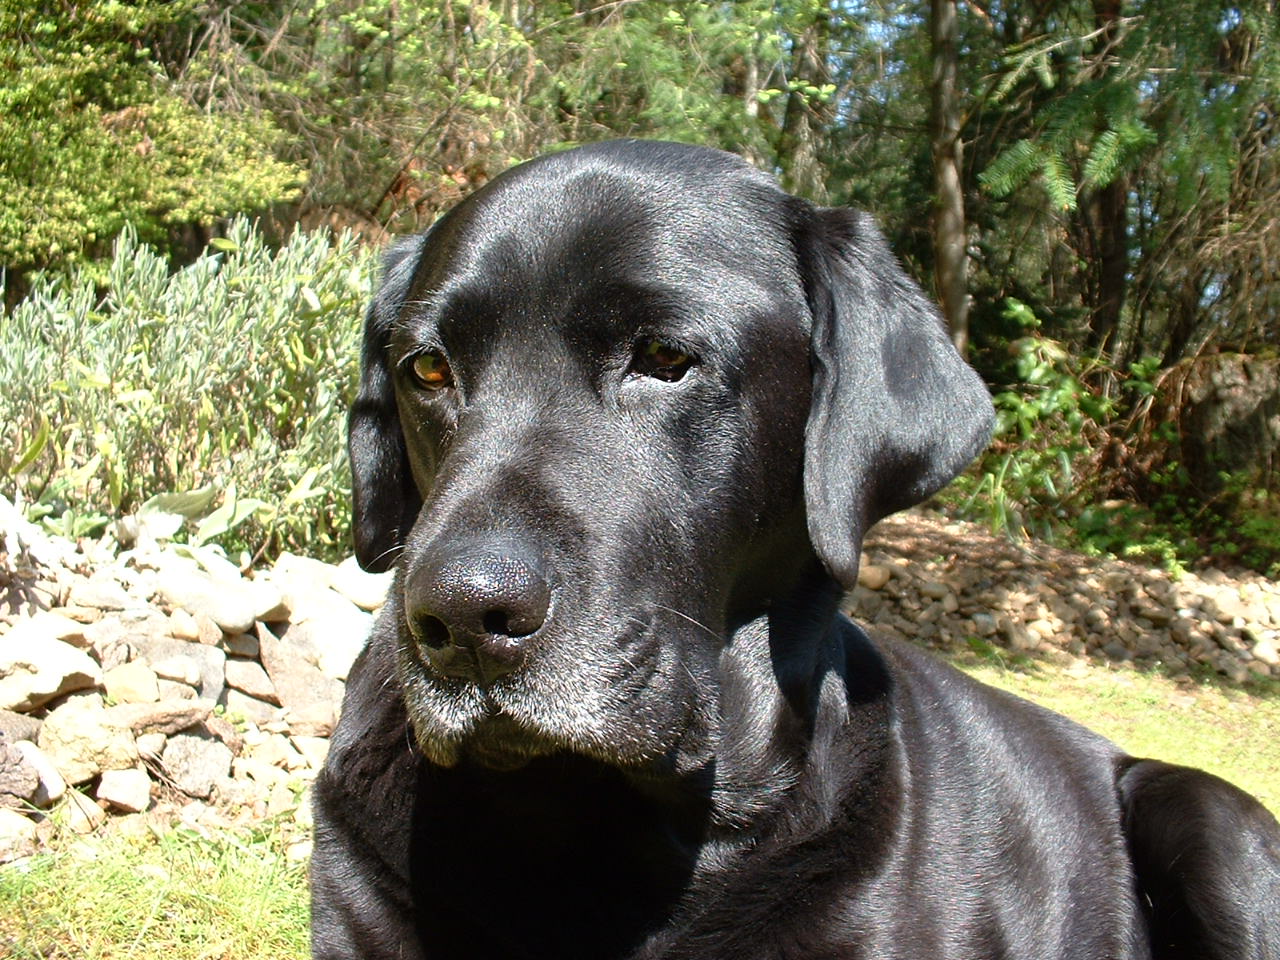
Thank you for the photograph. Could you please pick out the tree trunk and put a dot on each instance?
(1110, 207)
(949, 244)
(805, 116)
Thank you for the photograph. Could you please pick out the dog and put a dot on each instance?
(624, 417)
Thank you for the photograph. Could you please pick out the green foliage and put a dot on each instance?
(232, 374)
(93, 137)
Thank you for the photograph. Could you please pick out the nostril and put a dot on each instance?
(432, 631)
(497, 623)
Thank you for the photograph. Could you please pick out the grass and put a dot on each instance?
(178, 894)
(1198, 722)
(173, 894)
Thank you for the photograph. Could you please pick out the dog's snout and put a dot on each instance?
(473, 614)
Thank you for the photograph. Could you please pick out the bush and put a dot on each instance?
(232, 375)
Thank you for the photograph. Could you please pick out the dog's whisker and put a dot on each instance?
(684, 616)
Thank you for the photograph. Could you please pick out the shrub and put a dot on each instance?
(233, 373)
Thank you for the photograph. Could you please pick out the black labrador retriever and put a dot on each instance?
(625, 415)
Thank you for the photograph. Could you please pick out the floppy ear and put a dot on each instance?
(386, 501)
(896, 413)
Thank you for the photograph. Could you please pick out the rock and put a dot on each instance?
(132, 682)
(83, 815)
(18, 779)
(315, 749)
(52, 787)
(17, 836)
(51, 623)
(241, 645)
(934, 589)
(101, 591)
(179, 669)
(151, 746)
(300, 685)
(82, 740)
(336, 639)
(224, 730)
(368, 591)
(1267, 650)
(129, 790)
(279, 752)
(195, 763)
(232, 606)
(873, 576)
(211, 661)
(17, 726)
(183, 625)
(250, 708)
(260, 771)
(984, 624)
(166, 716)
(35, 668)
(248, 677)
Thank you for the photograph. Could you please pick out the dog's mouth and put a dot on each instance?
(500, 742)
(627, 708)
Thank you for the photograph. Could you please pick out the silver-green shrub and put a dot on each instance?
(235, 372)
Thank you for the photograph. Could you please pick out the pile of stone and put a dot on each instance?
(142, 675)
(165, 673)
(948, 584)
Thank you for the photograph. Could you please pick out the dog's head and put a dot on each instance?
(615, 406)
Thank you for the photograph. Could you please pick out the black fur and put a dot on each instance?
(610, 709)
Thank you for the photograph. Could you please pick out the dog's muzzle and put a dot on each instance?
(474, 611)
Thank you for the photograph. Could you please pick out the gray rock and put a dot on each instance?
(172, 690)
(52, 786)
(17, 836)
(18, 779)
(211, 660)
(35, 668)
(333, 639)
(195, 763)
(241, 645)
(18, 726)
(167, 716)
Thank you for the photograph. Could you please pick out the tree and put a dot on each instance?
(950, 244)
(93, 136)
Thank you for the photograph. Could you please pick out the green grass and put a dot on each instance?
(1198, 722)
(168, 895)
(235, 895)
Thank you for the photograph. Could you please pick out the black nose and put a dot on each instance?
(473, 611)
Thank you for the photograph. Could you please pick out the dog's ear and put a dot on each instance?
(386, 501)
(896, 413)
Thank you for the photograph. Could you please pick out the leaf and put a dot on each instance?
(34, 448)
(224, 245)
(189, 504)
(227, 517)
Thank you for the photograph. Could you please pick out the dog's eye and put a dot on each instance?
(431, 371)
(661, 361)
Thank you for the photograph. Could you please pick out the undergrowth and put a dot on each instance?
(229, 377)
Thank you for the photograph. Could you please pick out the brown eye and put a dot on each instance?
(431, 371)
(661, 361)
